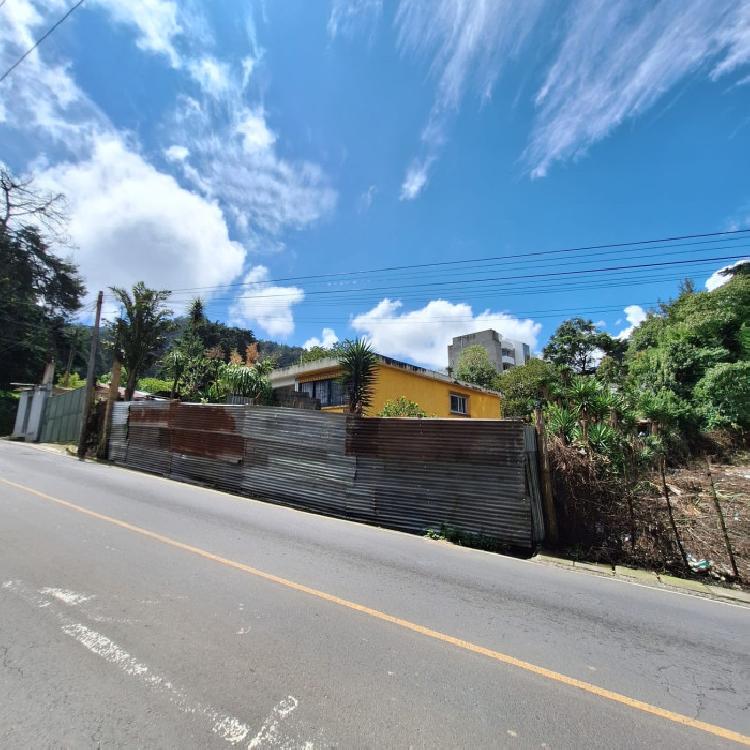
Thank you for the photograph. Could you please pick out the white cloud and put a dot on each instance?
(265, 304)
(717, 278)
(415, 180)
(635, 315)
(176, 153)
(423, 335)
(130, 222)
(467, 44)
(41, 98)
(348, 17)
(212, 75)
(234, 158)
(617, 59)
(327, 339)
(156, 22)
(256, 135)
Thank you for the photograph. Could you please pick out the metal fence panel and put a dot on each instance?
(410, 474)
(61, 421)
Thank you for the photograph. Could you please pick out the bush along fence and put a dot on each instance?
(477, 477)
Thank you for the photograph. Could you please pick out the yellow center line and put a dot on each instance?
(548, 674)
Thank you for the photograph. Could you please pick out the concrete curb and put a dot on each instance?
(648, 578)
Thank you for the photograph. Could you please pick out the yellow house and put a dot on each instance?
(438, 394)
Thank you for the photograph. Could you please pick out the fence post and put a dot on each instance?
(550, 514)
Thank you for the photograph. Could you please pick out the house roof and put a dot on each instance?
(287, 375)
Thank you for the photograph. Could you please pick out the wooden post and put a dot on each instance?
(88, 399)
(673, 523)
(550, 514)
(114, 389)
(720, 513)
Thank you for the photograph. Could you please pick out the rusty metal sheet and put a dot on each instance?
(404, 474)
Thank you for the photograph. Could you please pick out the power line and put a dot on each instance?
(40, 40)
(361, 290)
(536, 253)
(551, 274)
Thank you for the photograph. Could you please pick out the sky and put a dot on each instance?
(406, 171)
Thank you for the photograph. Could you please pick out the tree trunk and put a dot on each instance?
(720, 513)
(130, 385)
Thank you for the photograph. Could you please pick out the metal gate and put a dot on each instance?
(61, 421)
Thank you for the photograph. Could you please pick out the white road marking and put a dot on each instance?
(269, 734)
(65, 596)
(227, 727)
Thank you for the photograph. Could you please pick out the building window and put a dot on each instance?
(459, 404)
(330, 391)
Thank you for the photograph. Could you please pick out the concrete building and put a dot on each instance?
(437, 393)
(503, 353)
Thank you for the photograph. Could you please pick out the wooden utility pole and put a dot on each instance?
(88, 398)
(114, 389)
(550, 514)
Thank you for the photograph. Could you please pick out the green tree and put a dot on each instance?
(474, 366)
(578, 346)
(141, 329)
(402, 407)
(39, 292)
(524, 385)
(358, 364)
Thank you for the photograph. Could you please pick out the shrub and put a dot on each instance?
(402, 407)
(154, 385)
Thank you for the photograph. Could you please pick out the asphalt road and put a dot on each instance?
(139, 612)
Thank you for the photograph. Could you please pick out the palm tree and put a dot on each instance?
(358, 361)
(141, 329)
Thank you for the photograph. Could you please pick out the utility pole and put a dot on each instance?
(88, 398)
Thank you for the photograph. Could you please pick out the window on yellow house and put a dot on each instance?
(459, 404)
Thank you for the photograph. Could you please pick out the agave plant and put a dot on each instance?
(585, 394)
(358, 362)
(603, 438)
(561, 422)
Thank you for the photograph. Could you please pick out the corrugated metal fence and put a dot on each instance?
(61, 421)
(411, 474)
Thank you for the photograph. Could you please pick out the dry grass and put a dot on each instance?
(603, 517)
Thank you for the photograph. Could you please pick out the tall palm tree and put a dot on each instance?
(141, 329)
(358, 362)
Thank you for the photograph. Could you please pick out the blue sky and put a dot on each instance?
(237, 149)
